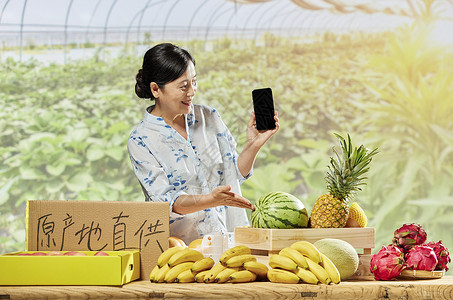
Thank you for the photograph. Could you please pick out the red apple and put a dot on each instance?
(24, 254)
(54, 253)
(75, 253)
(101, 253)
(38, 254)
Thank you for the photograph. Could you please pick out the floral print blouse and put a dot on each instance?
(167, 166)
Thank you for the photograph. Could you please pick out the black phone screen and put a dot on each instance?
(263, 105)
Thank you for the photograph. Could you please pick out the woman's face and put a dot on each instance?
(176, 96)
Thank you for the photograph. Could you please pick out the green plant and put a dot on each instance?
(410, 121)
(63, 128)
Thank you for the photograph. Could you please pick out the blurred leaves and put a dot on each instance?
(64, 134)
(64, 128)
(261, 183)
(410, 121)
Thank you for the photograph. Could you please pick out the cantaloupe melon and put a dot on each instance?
(342, 254)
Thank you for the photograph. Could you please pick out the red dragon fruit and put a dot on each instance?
(421, 257)
(408, 236)
(442, 254)
(388, 263)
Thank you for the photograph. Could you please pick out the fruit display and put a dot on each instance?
(279, 210)
(409, 251)
(304, 265)
(344, 177)
(184, 264)
(341, 253)
(326, 261)
(301, 262)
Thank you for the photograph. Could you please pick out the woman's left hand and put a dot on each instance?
(256, 137)
(255, 140)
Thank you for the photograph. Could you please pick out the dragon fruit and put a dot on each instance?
(388, 263)
(421, 257)
(442, 254)
(408, 236)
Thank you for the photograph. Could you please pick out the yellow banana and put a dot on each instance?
(295, 255)
(319, 271)
(203, 264)
(242, 276)
(153, 273)
(282, 276)
(282, 262)
(331, 269)
(186, 255)
(176, 270)
(307, 276)
(160, 275)
(212, 273)
(165, 256)
(308, 249)
(224, 276)
(238, 250)
(185, 276)
(239, 260)
(199, 277)
(256, 267)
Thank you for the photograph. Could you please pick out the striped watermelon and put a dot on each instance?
(279, 210)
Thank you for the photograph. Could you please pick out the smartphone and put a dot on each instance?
(263, 105)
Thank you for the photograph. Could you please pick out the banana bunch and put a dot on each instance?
(183, 264)
(179, 264)
(235, 265)
(302, 262)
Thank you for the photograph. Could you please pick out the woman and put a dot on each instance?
(182, 153)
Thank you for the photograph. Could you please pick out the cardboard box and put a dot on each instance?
(99, 226)
(118, 268)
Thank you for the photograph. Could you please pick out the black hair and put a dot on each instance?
(162, 63)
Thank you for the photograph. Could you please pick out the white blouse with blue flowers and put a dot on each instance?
(167, 166)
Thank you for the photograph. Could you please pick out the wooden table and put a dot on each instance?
(408, 289)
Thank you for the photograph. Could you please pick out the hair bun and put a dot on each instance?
(141, 89)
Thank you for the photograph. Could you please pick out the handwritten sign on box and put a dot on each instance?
(99, 226)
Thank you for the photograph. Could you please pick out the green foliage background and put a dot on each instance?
(64, 128)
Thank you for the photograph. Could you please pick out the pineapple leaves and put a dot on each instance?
(344, 175)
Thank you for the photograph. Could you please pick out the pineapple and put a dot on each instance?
(343, 181)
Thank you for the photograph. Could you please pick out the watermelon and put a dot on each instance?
(279, 210)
